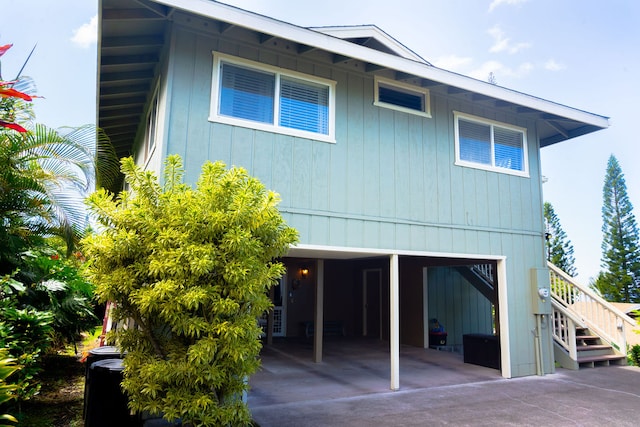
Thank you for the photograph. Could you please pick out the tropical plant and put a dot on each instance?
(45, 173)
(53, 283)
(7, 389)
(192, 268)
(12, 97)
(24, 332)
(620, 279)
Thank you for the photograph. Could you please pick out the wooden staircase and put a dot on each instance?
(592, 352)
(587, 330)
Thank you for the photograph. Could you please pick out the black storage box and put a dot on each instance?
(482, 349)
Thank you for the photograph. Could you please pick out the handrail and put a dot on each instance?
(485, 270)
(596, 313)
(564, 325)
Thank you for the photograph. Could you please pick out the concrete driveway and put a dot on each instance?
(351, 388)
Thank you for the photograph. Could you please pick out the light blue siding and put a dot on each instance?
(389, 182)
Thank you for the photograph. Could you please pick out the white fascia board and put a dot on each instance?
(274, 27)
(302, 250)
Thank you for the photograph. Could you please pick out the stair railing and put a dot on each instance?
(564, 325)
(485, 270)
(588, 309)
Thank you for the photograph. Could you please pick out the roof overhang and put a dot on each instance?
(131, 35)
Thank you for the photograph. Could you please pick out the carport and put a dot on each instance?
(351, 368)
(392, 307)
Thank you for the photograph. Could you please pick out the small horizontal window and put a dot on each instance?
(402, 97)
(254, 95)
(490, 145)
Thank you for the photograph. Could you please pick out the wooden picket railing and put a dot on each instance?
(575, 305)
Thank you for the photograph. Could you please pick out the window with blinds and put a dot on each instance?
(304, 106)
(268, 98)
(490, 145)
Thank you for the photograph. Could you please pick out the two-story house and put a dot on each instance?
(416, 191)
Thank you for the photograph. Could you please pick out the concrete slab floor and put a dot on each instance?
(351, 388)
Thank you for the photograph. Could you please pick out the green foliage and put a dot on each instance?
(7, 389)
(620, 279)
(192, 268)
(43, 175)
(47, 302)
(634, 355)
(559, 248)
(25, 333)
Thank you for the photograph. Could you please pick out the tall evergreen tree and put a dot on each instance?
(559, 248)
(620, 279)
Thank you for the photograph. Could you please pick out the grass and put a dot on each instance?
(61, 398)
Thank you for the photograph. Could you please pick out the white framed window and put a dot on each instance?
(401, 97)
(151, 132)
(487, 144)
(258, 96)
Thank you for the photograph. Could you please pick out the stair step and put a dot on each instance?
(601, 359)
(587, 337)
(593, 347)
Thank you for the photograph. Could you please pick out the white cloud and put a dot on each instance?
(86, 34)
(503, 44)
(552, 65)
(452, 62)
(496, 3)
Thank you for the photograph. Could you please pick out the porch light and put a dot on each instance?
(304, 272)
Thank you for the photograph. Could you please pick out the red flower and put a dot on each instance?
(13, 126)
(5, 48)
(55, 257)
(9, 92)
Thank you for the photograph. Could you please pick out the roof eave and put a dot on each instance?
(276, 28)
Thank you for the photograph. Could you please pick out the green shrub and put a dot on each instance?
(25, 334)
(192, 268)
(634, 355)
(7, 389)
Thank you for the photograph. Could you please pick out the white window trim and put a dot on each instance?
(153, 110)
(492, 167)
(214, 116)
(402, 87)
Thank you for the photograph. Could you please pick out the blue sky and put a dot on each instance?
(581, 53)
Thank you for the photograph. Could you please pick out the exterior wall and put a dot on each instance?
(457, 305)
(389, 182)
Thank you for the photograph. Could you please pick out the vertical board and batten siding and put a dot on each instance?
(386, 166)
(389, 181)
(457, 305)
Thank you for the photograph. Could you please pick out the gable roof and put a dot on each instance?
(131, 37)
(371, 37)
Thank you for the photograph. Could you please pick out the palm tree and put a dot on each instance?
(45, 173)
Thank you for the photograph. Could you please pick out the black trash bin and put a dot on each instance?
(101, 353)
(96, 354)
(106, 403)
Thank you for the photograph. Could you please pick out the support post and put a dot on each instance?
(394, 319)
(272, 294)
(318, 326)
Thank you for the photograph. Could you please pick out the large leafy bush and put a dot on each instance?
(190, 268)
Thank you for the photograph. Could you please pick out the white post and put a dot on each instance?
(394, 327)
(318, 326)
